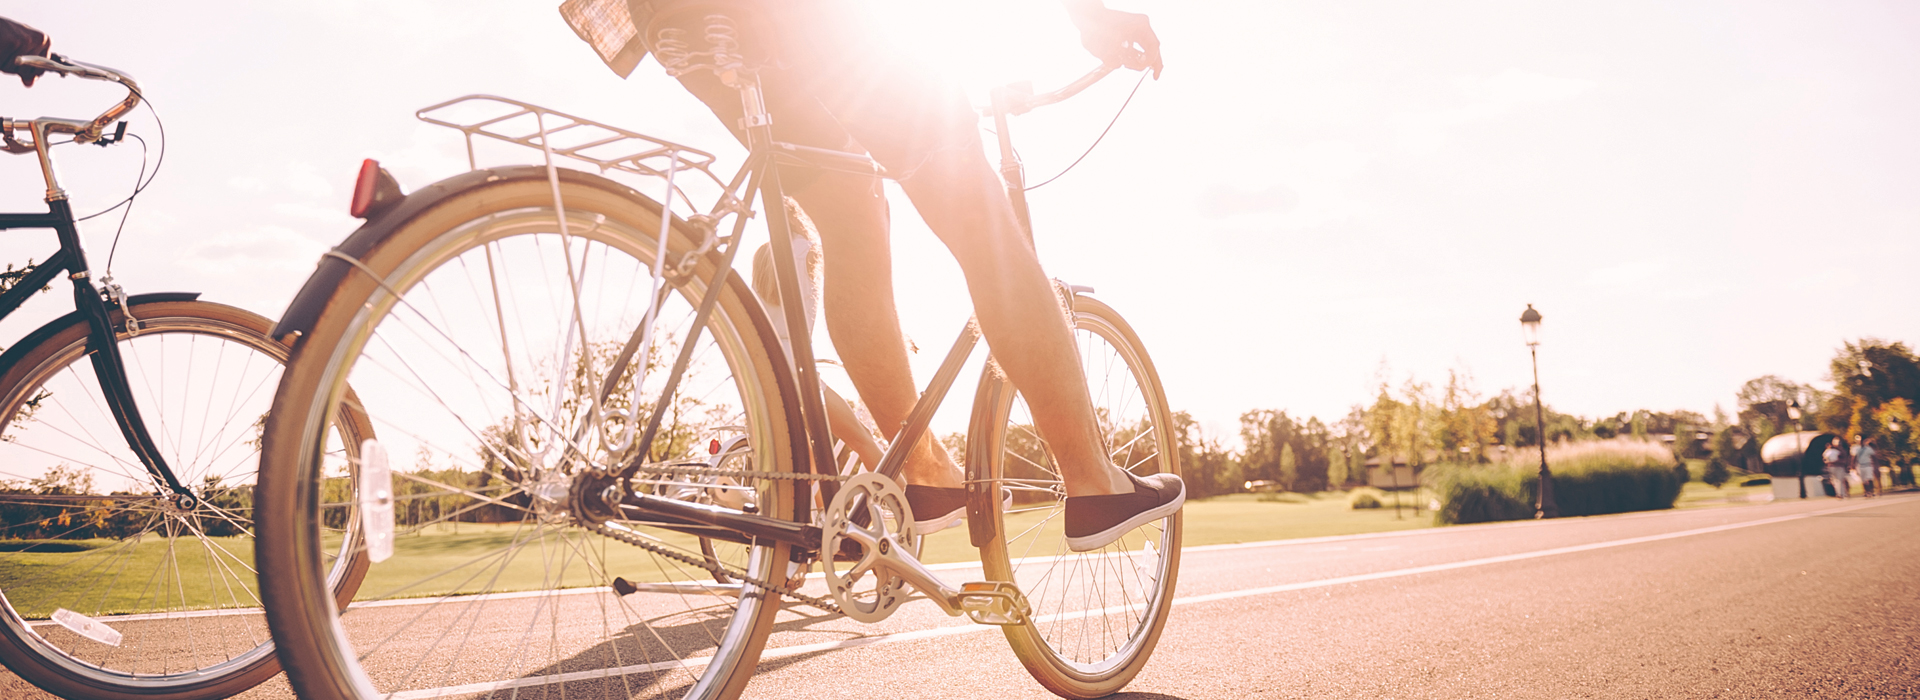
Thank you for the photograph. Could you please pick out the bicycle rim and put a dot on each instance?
(112, 589)
(481, 378)
(1095, 615)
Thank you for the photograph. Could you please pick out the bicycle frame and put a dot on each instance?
(90, 302)
(759, 176)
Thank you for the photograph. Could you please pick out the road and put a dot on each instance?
(1785, 600)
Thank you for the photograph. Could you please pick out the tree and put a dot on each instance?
(1462, 426)
(1347, 449)
(1867, 374)
(1289, 467)
(1210, 468)
(1898, 445)
(1763, 403)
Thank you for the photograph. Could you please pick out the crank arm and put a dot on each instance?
(987, 602)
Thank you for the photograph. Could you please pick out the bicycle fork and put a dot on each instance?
(108, 367)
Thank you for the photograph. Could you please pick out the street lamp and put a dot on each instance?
(1800, 454)
(1530, 328)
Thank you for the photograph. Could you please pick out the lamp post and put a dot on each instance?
(1530, 328)
(1800, 453)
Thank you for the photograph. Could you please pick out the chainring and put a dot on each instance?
(868, 591)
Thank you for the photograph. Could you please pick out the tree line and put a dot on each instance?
(1416, 423)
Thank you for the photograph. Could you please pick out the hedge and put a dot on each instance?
(1589, 478)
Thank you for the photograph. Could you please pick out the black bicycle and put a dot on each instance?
(618, 470)
(129, 435)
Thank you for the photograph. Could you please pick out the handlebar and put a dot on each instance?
(84, 131)
(1018, 98)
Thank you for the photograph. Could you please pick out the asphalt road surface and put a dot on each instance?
(1813, 599)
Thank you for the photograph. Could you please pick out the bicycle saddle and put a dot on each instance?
(718, 35)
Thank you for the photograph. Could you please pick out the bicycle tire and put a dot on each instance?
(1096, 616)
(129, 561)
(482, 277)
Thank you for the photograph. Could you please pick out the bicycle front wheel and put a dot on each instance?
(115, 586)
(1095, 615)
(483, 340)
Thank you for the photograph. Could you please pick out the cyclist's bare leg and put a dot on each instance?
(926, 135)
(962, 201)
(850, 213)
(889, 107)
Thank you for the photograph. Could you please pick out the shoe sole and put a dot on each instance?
(1088, 543)
(933, 525)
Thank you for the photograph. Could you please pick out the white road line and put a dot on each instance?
(1322, 583)
(1502, 559)
(937, 632)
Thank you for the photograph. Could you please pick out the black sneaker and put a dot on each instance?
(937, 508)
(1096, 521)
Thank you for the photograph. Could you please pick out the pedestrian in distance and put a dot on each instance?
(1836, 478)
(1864, 466)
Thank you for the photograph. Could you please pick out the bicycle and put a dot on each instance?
(643, 469)
(127, 433)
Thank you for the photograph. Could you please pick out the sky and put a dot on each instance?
(1316, 197)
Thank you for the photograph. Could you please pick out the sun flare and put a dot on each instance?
(980, 45)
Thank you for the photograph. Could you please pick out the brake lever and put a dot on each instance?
(7, 142)
(119, 134)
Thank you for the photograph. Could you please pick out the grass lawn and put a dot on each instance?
(111, 577)
(1698, 495)
(467, 556)
(1245, 517)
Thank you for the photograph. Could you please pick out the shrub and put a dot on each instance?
(1716, 473)
(1589, 478)
(1363, 498)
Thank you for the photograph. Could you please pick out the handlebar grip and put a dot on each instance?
(56, 63)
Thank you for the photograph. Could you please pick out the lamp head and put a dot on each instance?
(1530, 326)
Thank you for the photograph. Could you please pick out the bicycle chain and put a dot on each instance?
(714, 567)
(716, 471)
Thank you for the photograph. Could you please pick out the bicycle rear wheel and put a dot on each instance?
(112, 588)
(1096, 615)
(479, 355)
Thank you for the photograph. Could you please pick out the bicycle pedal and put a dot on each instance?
(994, 603)
(624, 587)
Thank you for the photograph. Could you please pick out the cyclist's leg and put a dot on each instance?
(924, 132)
(850, 214)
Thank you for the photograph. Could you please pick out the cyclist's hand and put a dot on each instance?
(1115, 37)
(17, 40)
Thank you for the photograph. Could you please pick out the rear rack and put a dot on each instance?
(606, 147)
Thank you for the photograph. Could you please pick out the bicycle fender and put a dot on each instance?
(304, 310)
(41, 334)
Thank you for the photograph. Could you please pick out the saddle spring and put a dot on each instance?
(722, 44)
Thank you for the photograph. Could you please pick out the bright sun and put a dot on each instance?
(987, 43)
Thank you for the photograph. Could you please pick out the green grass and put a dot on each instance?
(442, 559)
(1247, 517)
(1698, 495)
(111, 577)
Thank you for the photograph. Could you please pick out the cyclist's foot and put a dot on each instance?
(937, 508)
(1096, 521)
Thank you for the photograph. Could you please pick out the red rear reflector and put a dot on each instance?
(364, 188)
(713, 446)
